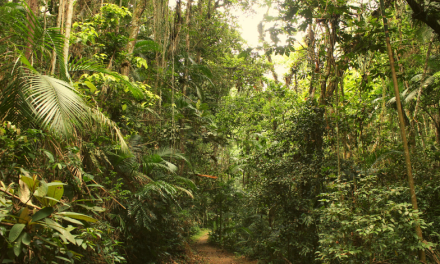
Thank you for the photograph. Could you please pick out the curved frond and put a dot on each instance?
(185, 181)
(188, 192)
(411, 95)
(102, 119)
(54, 103)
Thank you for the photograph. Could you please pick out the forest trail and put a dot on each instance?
(214, 255)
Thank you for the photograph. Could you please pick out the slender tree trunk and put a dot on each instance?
(175, 35)
(31, 16)
(402, 129)
(186, 79)
(188, 45)
(337, 129)
(296, 82)
(344, 135)
(133, 33)
(69, 15)
(311, 51)
(329, 62)
(200, 21)
(60, 18)
(288, 77)
(209, 9)
(272, 69)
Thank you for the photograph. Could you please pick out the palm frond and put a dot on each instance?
(185, 181)
(14, 20)
(55, 103)
(411, 95)
(142, 177)
(102, 119)
(157, 160)
(188, 192)
(171, 153)
(141, 213)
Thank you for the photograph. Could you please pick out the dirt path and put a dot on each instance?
(215, 255)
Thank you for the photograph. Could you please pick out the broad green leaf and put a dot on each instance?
(79, 216)
(63, 208)
(16, 231)
(71, 220)
(95, 185)
(56, 191)
(46, 201)
(41, 214)
(42, 190)
(66, 234)
(65, 259)
(24, 216)
(27, 63)
(29, 182)
(141, 62)
(26, 239)
(49, 155)
(17, 248)
(94, 208)
(24, 193)
(79, 241)
(91, 86)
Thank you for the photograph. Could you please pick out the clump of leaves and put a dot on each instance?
(367, 223)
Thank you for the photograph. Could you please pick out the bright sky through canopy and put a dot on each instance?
(248, 22)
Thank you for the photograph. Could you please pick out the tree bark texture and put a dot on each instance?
(31, 16)
(68, 25)
(402, 129)
(133, 33)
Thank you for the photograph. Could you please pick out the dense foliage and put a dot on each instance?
(127, 126)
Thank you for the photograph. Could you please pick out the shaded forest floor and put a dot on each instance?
(211, 254)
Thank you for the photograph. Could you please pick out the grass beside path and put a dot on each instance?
(199, 234)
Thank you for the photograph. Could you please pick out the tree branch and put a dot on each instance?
(18, 198)
(421, 15)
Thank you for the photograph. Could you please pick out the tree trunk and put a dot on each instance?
(312, 60)
(60, 18)
(133, 33)
(186, 80)
(31, 16)
(272, 69)
(68, 24)
(175, 35)
(330, 62)
(188, 44)
(402, 129)
(198, 47)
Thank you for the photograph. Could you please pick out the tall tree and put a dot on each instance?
(402, 127)
(133, 32)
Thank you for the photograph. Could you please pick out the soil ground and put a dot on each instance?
(211, 254)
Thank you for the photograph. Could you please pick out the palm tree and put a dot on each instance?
(29, 96)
